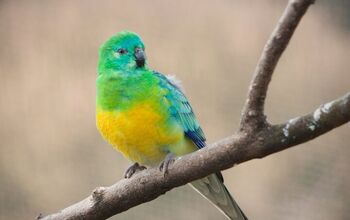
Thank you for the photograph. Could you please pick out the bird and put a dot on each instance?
(146, 116)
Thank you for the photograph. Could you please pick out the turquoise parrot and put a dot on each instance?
(146, 116)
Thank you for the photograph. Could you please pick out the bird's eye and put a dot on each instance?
(122, 51)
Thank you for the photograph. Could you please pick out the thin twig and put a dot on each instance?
(253, 112)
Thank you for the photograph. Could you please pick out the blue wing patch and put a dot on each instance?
(182, 111)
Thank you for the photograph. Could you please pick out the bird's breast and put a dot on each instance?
(142, 132)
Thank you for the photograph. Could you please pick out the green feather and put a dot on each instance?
(182, 111)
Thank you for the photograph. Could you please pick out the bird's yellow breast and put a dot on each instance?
(141, 133)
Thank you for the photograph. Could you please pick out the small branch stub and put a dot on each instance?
(97, 194)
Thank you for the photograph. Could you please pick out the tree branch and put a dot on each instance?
(253, 112)
(149, 184)
(256, 138)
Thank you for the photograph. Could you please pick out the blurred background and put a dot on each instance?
(51, 154)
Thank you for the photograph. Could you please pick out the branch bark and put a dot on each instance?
(253, 112)
(145, 186)
(255, 139)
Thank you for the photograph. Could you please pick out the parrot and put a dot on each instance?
(146, 116)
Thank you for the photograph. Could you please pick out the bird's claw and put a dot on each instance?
(164, 165)
(133, 169)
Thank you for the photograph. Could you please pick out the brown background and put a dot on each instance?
(51, 154)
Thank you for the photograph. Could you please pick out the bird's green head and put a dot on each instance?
(124, 51)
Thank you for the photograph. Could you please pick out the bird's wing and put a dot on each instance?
(211, 187)
(182, 111)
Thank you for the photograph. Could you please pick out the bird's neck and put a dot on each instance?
(118, 90)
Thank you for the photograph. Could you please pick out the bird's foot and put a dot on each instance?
(164, 165)
(136, 167)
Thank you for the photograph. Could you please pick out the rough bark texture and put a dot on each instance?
(255, 139)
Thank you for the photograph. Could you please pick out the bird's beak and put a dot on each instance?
(139, 57)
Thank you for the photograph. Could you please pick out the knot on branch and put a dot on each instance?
(40, 216)
(97, 194)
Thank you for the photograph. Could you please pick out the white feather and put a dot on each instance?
(175, 81)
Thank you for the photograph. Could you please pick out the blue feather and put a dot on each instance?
(182, 111)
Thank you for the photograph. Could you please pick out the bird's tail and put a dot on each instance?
(213, 189)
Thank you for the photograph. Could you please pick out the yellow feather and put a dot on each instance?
(142, 134)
